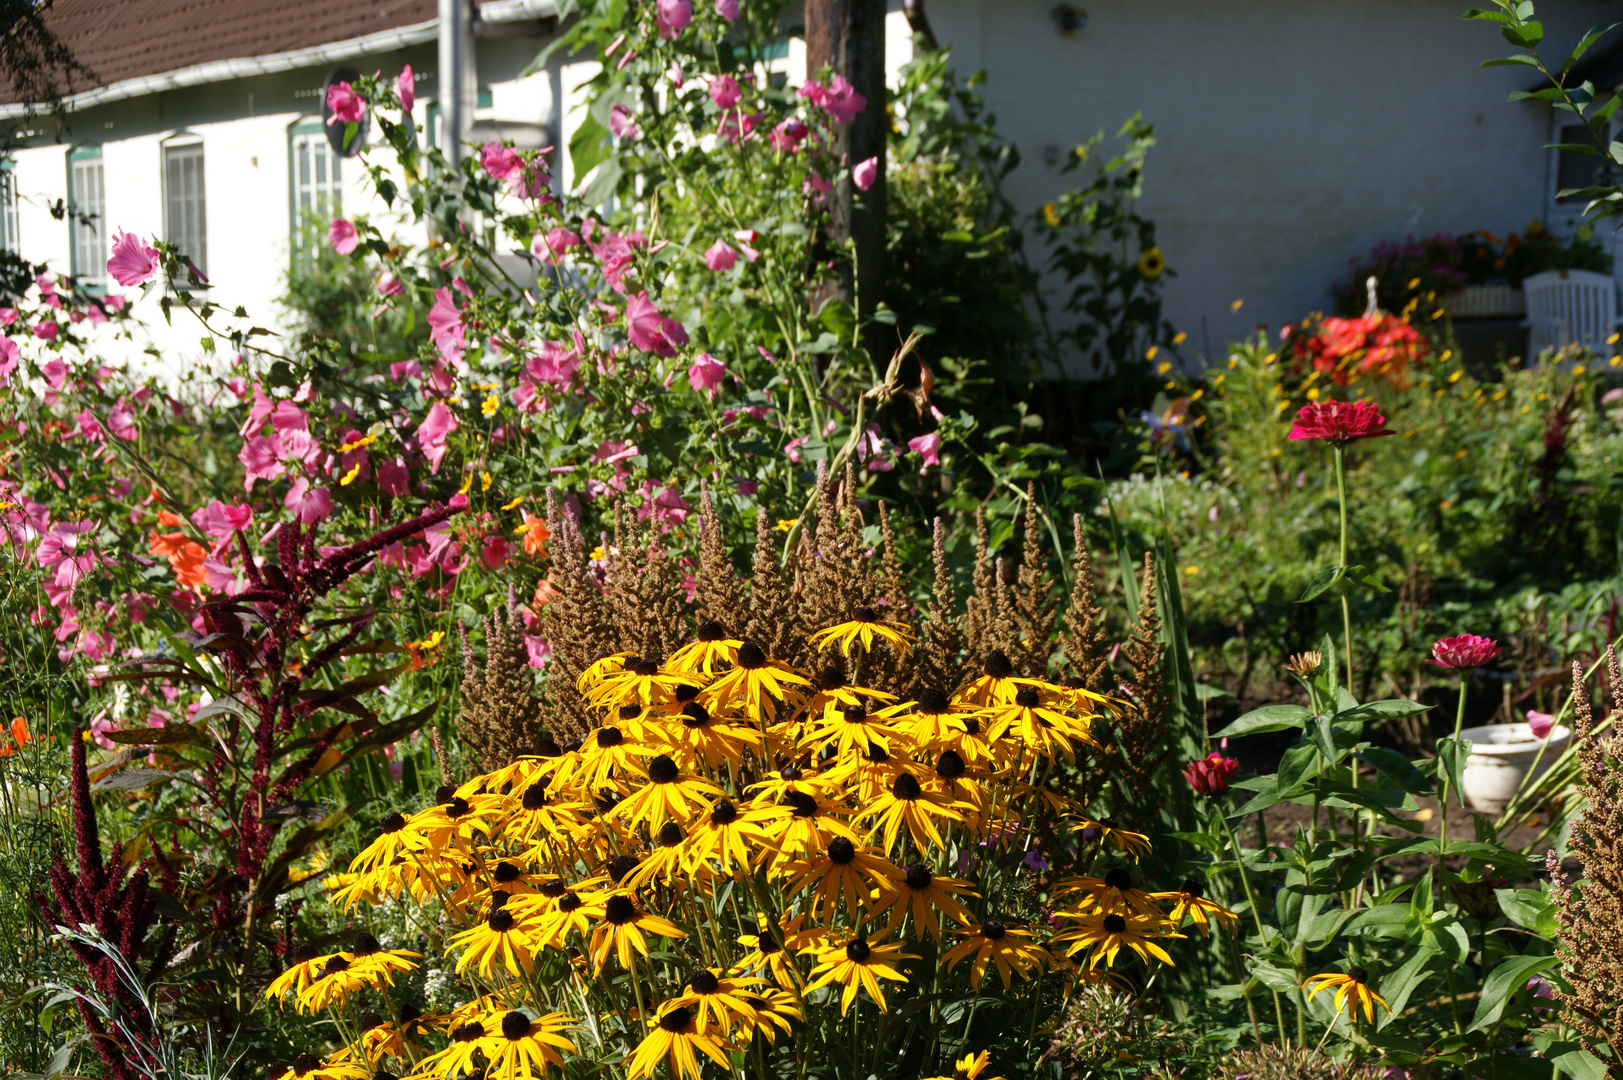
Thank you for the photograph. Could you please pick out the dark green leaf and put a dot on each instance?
(1452, 754)
(1397, 769)
(1267, 718)
(1322, 582)
(1503, 982)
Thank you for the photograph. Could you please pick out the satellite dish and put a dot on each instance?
(335, 130)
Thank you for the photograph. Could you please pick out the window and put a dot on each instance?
(87, 213)
(8, 209)
(184, 204)
(314, 193)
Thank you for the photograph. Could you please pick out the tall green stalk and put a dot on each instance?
(1341, 561)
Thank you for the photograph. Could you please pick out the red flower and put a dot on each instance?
(1464, 652)
(1211, 774)
(1339, 422)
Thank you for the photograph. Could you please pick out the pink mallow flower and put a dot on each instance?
(343, 236)
(346, 105)
(727, 9)
(445, 326)
(788, 135)
(706, 373)
(720, 257)
(64, 551)
(132, 262)
(864, 173)
(10, 354)
(1540, 724)
(501, 162)
(439, 424)
(622, 123)
(650, 331)
(671, 17)
(928, 447)
(310, 504)
(406, 87)
(724, 92)
(549, 248)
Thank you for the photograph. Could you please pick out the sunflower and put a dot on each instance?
(764, 951)
(998, 684)
(842, 869)
(1190, 900)
(864, 627)
(758, 683)
(906, 802)
(1113, 892)
(710, 649)
(714, 997)
(1352, 987)
(1039, 728)
(309, 1067)
(857, 964)
(920, 893)
(729, 835)
(1107, 932)
(1152, 264)
(525, 1048)
(502, 936)
(1009, 948)
(1108, 832)
(625, 927)
(673, 1038)
(667, 796)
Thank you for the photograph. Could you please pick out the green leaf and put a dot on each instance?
(1452, 754)
(1488, 14)
(1577, 1063)
(1512, 1067)
(1527, 35)
(1503, 982)
(174, 735)
(132, 779)
(1266, 796)
(1387, 920)
(1575, 148)
(1322, 582)
(1584, 43)
(1396, 769)
(1552, 93)
(1519, 61)
(1267, 718)
(1298, 763)
(1528, 908)
(1385, 709)
(1401, 983)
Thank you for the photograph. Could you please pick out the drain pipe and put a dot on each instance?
(456, 75)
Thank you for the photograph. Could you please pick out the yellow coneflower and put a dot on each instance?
(855, 965)
(907, 803)
(1190, 900)
(714, 997)
(394, 839)
(309, 1067)
(672, 1039)
(697, 736)
(641, 681)
(1037, 727)
(755, 685)
(998, 684)
(525, 1048)
(667, 796)
(832, 688)
(864, 628)
(625, 927)
(467, 1041)
(1113, 892)
(1108, 832)
(1353, 987)
(774, 1009)
(1009, 948)
(842, 869)
(1107, 933)
(765, 952)
(666, 863)
(847, 728)
(919, 893)
(804, 823)
(502, 937)
(727, 838)
(305, 969)
(707, 653)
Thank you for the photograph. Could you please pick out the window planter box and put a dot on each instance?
(1486, 302)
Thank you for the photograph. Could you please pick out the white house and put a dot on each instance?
(1293, 134)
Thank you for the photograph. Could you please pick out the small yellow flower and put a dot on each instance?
(1179, 338)
(1236, 305)
(513, 503)
(1051, 214)
(785, 524)
(1152, 264)
(349, 477)
(1149, 354)
(365, 440)
(1352, 987)
(467, 483)
(484, 481)
(490, 405)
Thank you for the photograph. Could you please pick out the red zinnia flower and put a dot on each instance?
(1464, 652)
(1211, 774)
(1339, 422)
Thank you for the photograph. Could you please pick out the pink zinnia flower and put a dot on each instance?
(406, 87)
(864, 173)
(346, 105)
(436, 427)
(132, 262)
(343, 236)
(1210, 775)
(671, 17)
(706, 373)
(1339, 422)
(724, 92)
(1463, 652)
(720, 257)
(308, 503)
(622, 123)
(1540, 724)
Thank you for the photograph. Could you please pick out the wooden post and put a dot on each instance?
(848, 37)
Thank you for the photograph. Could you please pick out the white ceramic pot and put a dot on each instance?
(1501, 759)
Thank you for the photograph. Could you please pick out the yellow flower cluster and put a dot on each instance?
(734, 845)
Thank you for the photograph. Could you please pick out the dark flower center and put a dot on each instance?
(621, 865)
(1119, 879)
(569, 902)
(1072, 682)
(468, 1033)
(992, 928)
(1026, 697)
(335, 965)
(918, 877)
(305, 1063)
(695, 715)
(547, 746)
(676, 1020)
(906, 786)
(535, 796)
(792, 772)
(553, 889)
(619, 910)
(724, 813)
(662, 770)
(499, 898)
(972, 726)
(572, 745)
(302, 952)
(515, 1025)
(1114, 924)
(643, 666)
(1194, 888)
(501, 920)
(393, 823)
(457, 807)
(686, 692)
(804, 805)
(1357, 974)
(855, 714)
(841, 851)
(751, 656)
(506, 873)
(997, 665)
(630, 712)
(704, 981)
(765, 942)
(877, 752)
(444, 793)
(610, 736)
(858, 950)
(711, 630)
(365, 944)
(832, 678)
(369, 1020)
(950, 766)
(670, 834)
(864, 614)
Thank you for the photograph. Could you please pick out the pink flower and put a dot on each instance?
(649, 330)
(706, 373)
(841, 100)
(554, 365)
(310, 504)
(343, 236)
(551, 247)
(10, 353)
(663, 504)
(724, 92)
(538, 649)
(1339, 422)
(671, 17)
(1540, 723)
(788, 135)
(1463, 652)
(494, 552)
(392, 477)
(928, 447)
(1210, 775)
(389, 285)
(63, 550)
(501, 162)
(406, 87)
(132, 262)
(445, 326)
(622, 123)
(345, 104)
(727, 9)
(261, 457)
(720, 257)
(864, 173)
(873, 450)
(433, 431)
(610, 452)
(121, 422)
(731, 130)
(46, 330)
(220, 520)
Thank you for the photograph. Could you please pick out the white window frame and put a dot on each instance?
(1564, 217)
(87, 198)
(185, 199)
(314, 179)
(8, 209)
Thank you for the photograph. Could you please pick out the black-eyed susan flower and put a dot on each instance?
(765, 952)
(468, 1039)
(755, 686)
(1010, 948)
(502, 937)
(522, 1048)
(609, 753)
(667, 862)
(709, 651)
(997, 685)
(1113, 892)
(696, 736)
(541, 813)
(717, 998)
(1107, 933)
(833, 688)
(624, 927)
(1107, 831)
(338, 980)
(393, 840)
(848, 729)
(841, 869)
(971, 1066)
(1036, 727)
(919, 893)
(1152, 264)
(454, 821)
(728, 837)
(856, 964)
(339, 1066)
(667, 796)
(907, 803)
(673, 1038)
(927, 718)
(1191, 900)
(863, 629)
(561, 912)
(791, 777)
(304, 969)
(641, 681)
(803, 823)
(1352, 987)
(774, 1012)
(599, 669)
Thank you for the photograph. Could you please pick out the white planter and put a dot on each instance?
(1501, 757)
(1485, 302)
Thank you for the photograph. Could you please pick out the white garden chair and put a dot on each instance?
(1570, 307)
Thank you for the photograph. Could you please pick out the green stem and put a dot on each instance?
(1341, 561)
(1256, 915)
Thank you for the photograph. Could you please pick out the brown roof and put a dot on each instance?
(126, 39)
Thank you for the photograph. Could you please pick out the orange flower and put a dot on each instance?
(19, 736)
(544, 593)
(185, 556)
(535, 533)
